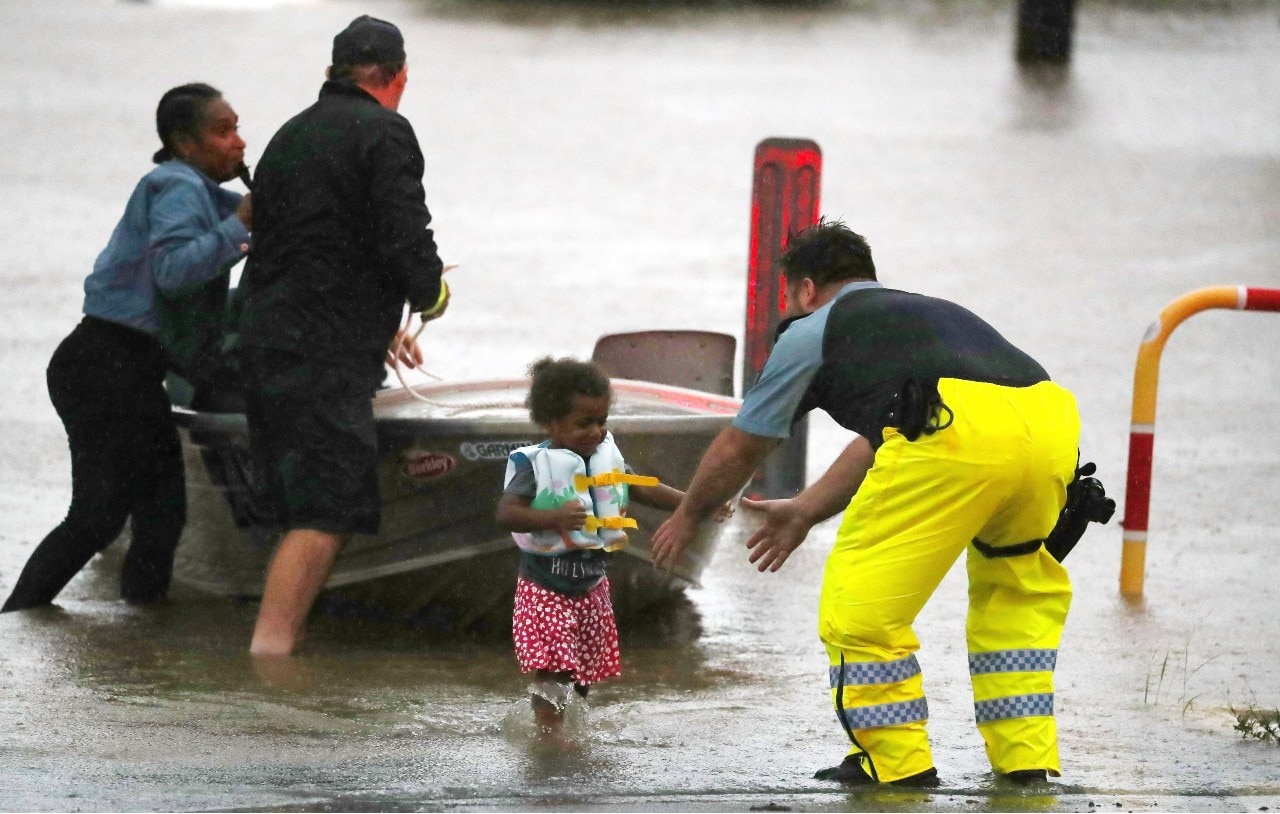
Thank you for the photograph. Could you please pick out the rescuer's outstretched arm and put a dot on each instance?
(787, 522)
(728, 463)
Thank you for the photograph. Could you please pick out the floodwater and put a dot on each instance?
(590, 170)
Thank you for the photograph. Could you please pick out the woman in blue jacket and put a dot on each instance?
(179, 236)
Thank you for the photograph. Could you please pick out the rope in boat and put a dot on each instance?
(450, 407)
(403, 342)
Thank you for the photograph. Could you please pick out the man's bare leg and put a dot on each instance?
(298, 571)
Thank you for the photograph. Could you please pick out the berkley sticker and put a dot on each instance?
(490, 450)
(424, 464)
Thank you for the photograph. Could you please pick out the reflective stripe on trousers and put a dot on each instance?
(903, 675)
(1017, 607)
(999, 473)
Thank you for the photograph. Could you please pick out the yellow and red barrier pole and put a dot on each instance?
(1142, 427)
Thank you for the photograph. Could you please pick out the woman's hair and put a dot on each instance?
(557, 382)
(181, 113)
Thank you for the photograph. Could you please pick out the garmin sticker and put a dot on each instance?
(490, 450)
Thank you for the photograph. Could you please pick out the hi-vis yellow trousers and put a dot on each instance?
(998, 474)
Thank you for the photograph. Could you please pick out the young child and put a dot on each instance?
(565, 504)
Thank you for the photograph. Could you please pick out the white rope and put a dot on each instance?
(404, 342)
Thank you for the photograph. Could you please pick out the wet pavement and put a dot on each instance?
(594, 165)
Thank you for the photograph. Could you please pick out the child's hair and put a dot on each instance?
(557, 382)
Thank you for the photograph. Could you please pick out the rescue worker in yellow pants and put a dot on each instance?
(961, 441)
(997, 474)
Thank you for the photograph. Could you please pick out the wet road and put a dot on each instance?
(601, 161)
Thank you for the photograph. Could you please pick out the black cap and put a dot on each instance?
(368, 41)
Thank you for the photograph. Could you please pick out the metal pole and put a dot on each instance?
(1044, 31)
(1142, 427)
(784, 201)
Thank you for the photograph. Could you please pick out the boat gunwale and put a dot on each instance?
(707, 415)
(716, 411)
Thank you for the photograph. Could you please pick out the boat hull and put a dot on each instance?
(439, 557)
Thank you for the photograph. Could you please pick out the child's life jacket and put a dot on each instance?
(600, 484)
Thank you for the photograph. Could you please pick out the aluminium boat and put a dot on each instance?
(440, 560)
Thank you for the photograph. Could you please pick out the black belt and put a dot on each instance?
(1087, 502)
(1016, 550)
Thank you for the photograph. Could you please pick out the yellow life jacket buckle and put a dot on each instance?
(583, 482)
(594, 524)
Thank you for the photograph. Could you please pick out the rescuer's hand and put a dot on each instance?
(784, 529)
(672, 538)
(569, 517)
(404, 349)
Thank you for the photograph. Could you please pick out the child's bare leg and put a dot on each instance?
(549, 697)
(546, 715)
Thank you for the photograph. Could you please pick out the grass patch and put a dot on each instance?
(1257, 724)
(1175, 664)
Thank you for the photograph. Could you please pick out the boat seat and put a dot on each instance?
(698, 360)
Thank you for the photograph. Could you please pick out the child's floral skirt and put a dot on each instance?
(575, 634)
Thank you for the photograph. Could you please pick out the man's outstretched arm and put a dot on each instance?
(787, 522)
(727, 465)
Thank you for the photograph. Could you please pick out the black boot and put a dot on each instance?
(851, 773)
(1025, 777)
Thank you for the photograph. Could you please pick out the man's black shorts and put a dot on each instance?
(314, 442)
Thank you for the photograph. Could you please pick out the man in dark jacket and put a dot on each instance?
(341, 241)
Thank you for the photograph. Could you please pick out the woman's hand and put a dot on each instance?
(245, 211)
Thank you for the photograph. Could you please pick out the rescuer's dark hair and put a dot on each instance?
(557, 382)
(828, 252)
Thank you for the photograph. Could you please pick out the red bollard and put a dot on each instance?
(784, 201)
